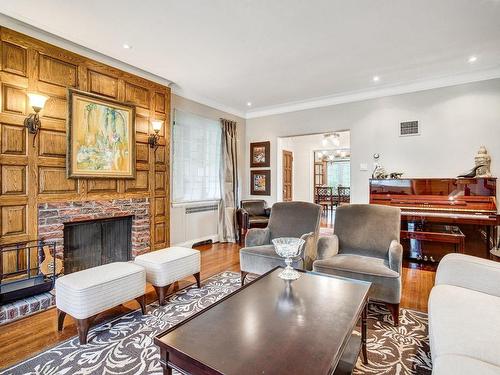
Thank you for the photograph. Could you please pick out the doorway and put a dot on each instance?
(319, 169)
(287, 176)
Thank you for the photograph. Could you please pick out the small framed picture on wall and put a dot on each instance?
(260, 181)
(260, 153)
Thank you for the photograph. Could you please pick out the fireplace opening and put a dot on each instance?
(93, 243)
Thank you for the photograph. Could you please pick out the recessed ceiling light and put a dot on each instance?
(472, 59)
(126, 46)
(249, 104)
(376, 78)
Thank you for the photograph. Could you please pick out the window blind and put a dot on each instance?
(196, 154)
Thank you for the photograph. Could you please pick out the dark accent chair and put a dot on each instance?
(252, 214)
(288, 219)
(365, 246)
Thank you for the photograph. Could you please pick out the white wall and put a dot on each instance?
(455, 121)
(185, 229)
(303, 148)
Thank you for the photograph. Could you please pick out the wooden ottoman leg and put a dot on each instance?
(197, 277)
(60, 319)
(394, 310)
(142, 302)
(83, 326)
(161, 292)
(243, 276)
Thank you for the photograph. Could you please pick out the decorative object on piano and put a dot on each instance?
(483, 162)
(260, 154)
(471, 173)
(396, 175)
(379, 172)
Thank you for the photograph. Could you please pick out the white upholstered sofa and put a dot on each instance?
(464, 317)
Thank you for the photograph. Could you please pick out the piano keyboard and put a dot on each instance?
(447, 214)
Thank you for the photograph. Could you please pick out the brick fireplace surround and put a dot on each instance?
(51, 220)
(53, 216)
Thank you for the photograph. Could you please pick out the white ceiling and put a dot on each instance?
(283, 54)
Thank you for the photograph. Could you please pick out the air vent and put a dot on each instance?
(408, 128)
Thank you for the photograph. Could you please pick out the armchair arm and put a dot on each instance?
(395, 256)
(242, 218)
(258, 237)
(328, 247)
(469, 272)
(308, 252)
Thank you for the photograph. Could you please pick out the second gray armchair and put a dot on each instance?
(365, 246)
(288, 219)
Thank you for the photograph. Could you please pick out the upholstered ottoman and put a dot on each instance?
(84, 294)
(164, 267)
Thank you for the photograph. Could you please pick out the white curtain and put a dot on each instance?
(196, 160)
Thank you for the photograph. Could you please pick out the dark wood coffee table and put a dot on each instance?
(271, 326)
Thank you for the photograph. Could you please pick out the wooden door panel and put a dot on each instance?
(52, 143)
(14, 59)
(13, 220)
(13, 139)
(57, 72)
(13, 179)
(287, 176)
(14, 99)
(102, 84)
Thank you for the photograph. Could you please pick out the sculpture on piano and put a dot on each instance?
(396, 175)
(379, 172)
(483, 163)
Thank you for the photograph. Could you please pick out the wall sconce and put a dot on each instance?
(155, 137)
(32, 122)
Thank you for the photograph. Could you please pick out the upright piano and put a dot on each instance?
(439, 205)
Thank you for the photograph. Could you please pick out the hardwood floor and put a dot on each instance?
(26, 337)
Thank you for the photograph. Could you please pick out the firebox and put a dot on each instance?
(93, 243)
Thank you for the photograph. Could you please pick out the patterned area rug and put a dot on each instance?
(125, 344)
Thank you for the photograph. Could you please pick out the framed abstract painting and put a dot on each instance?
(101, 137)
(260, 181)
(260, 153)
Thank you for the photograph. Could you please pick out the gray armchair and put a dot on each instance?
(365, 246)
(288, 219)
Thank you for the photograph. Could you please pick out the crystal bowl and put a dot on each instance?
(288, 248)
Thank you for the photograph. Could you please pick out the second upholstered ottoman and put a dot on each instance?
(164, 267)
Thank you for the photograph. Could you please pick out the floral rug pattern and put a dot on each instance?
(125, 344)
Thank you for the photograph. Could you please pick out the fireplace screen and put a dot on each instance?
(93, 243)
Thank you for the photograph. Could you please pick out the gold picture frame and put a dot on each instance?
(100, 137)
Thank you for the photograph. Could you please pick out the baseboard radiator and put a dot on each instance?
(199, 225)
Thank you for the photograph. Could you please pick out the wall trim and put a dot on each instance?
(424, 85)
(206, 101)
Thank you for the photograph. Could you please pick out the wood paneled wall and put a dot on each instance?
(34, 173)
